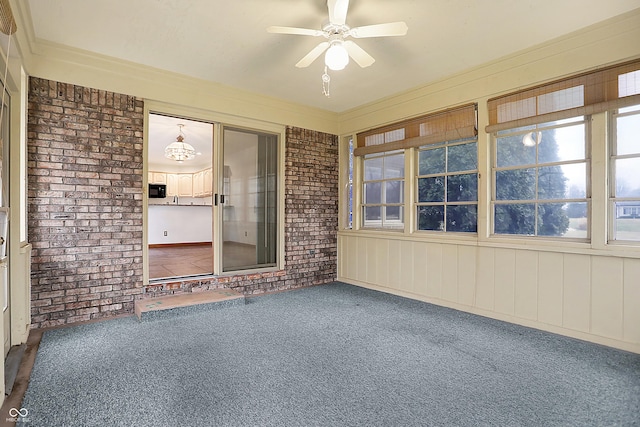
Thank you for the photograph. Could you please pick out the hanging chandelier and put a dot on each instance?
(179, 150)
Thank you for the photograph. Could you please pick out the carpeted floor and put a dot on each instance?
(330, 355)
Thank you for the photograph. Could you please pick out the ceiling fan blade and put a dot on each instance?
(358, 54)
(294, 30)
(311, 56)
(338, 11)
(379, 30)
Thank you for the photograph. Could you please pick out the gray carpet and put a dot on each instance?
(331, 355)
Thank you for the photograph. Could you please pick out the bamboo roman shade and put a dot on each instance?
(448, 125)
(584, 94)
(7, 23)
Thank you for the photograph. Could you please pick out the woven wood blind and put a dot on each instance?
(448, 125)
(583, 94)
(7, 23)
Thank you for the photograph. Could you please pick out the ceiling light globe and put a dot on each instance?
(336, 57)
(531, 140)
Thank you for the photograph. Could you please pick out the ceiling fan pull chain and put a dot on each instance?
(325, 82)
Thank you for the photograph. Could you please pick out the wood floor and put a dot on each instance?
(180, 261)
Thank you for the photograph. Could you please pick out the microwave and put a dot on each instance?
(157, 191)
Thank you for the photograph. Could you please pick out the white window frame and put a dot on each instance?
(383, 222)
(537, 165)
(613, 199)
(445, 175)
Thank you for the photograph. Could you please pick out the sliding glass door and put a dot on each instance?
(249, 199)
(216, 211)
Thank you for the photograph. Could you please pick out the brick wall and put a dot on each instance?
(85, 202)
(85, 208)
(311, 206)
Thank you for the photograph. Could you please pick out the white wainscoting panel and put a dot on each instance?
(450, 273)
(467, 274)
(631, 318)
(550, 271)
(583, 295)
(485, 279)
(526, 296)
(576, 300)
(505, 280)
(607, 296)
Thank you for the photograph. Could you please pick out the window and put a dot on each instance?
(625, 164)
(447, 186)
(541, 163)
(383, 190)
(541, 180)
(447, 157)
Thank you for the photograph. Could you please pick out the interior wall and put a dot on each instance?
(85, 208)
(84, 202)
(595, 298)
(183, 224)
(588, 290)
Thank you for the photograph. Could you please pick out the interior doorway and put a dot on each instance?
(180, 202)
(214, 210)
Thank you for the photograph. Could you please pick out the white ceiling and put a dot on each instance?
(163, 130)
(226, 41)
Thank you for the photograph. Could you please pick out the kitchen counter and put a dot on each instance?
(182, 201)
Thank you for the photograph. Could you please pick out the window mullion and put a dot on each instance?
(600, 209)
(409, 212)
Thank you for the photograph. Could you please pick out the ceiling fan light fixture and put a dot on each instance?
(180, 150)
(336, 57)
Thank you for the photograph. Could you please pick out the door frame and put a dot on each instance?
(219, 120)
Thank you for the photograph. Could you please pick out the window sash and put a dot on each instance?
(533, 200)
(446, 206)
(623, 207)
(385, 176)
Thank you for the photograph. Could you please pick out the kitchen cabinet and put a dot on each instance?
(172, 184)
(157, 178)
(207, 177)
(185, 185)
(197, 184)
(202, 183)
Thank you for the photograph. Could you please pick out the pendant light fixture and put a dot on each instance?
(179, 150)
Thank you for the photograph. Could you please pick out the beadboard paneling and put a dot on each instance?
(587, 296)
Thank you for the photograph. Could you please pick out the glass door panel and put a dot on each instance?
(249, 199)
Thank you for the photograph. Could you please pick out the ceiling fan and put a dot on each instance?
(336, 32)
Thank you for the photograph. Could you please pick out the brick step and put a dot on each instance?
(175, 305)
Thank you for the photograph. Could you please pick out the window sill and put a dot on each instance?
(617, 249)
